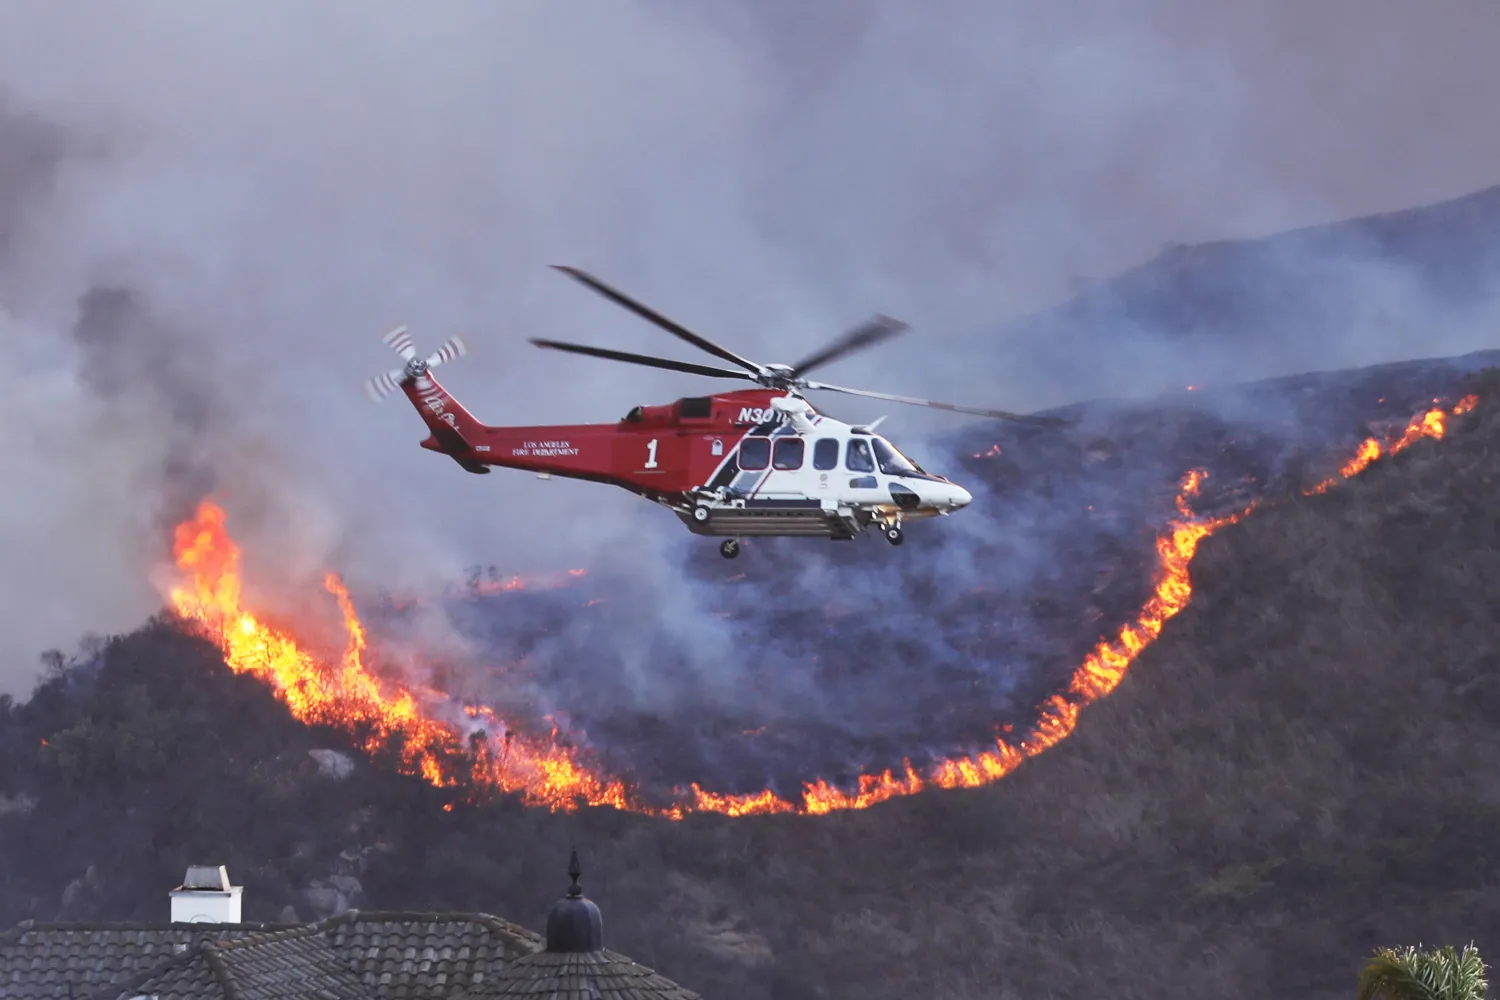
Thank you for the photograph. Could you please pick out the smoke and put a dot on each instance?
(209, 216)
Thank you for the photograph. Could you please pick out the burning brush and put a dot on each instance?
(438, 741)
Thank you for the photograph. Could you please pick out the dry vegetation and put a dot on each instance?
(1302, 769)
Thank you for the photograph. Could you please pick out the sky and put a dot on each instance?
(268, 186)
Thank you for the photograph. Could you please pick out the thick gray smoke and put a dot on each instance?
(208, 216)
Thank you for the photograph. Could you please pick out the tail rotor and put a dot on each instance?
(400, 341)
(454, 348)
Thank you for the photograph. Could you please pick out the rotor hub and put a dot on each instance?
(782, 381)
(416, 367)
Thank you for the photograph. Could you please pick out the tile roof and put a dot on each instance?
(578, 975)
(72, 961)
(295, 964)
(409, 955)
(188, 975)
(377, 955)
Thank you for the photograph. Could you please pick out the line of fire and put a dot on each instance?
(438, 737)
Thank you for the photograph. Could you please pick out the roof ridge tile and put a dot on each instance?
(221, 970)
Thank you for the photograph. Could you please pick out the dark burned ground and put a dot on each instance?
(1301, 769)
(846, 658)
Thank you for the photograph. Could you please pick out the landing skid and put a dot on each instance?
(756, 518)
(729, 548)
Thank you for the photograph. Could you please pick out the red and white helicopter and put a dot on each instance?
(747, 463)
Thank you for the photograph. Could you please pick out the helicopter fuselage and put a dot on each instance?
(749, 463)
(754, 462)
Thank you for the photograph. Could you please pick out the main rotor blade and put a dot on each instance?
(641, 359)
(996, 414)
(871, 332)
(676, 329)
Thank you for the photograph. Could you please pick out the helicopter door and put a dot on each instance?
(788, 460)
(858, 479)
(825, 464)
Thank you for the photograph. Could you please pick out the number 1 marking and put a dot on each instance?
(651, 454)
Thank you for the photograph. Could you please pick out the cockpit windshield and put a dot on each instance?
(892, 462)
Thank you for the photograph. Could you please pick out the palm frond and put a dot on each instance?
(1409, 974)
(1389, 975)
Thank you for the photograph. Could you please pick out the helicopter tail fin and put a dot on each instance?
(454, 431)
(454, 427)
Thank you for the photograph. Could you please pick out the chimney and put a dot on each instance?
(206, 897)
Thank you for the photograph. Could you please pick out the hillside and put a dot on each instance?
(1292, 774)
(1295, 773)
(803, 660)
(1423, 280)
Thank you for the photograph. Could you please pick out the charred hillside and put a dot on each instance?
(1297, 771)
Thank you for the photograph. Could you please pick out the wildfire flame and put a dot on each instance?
(348, 695)
(512, 583)
(344, 692)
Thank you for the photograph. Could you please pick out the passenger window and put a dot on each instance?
(788, 456)
(755, 454)
(826, 454)
(857, 457)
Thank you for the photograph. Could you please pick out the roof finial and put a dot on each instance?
(574, 923)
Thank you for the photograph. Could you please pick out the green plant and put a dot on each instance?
(1409, 974)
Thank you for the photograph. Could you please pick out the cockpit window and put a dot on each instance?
(635, 415)
(857, 456)
(892, 462)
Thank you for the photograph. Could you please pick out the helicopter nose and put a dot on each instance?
(961, 498)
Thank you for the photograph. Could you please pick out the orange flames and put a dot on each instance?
(345, 693)
(512, 583)
(1431, 424)
(342, 691)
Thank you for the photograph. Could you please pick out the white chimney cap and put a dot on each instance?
(206, 878)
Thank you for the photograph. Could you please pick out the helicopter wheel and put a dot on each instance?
(729, 548)
(700, 513)
(894, 535)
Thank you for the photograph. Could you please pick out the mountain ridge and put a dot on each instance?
(1416, 281)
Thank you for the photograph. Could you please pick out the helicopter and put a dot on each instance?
(739, 464)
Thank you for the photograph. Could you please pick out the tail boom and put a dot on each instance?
(579, 451)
